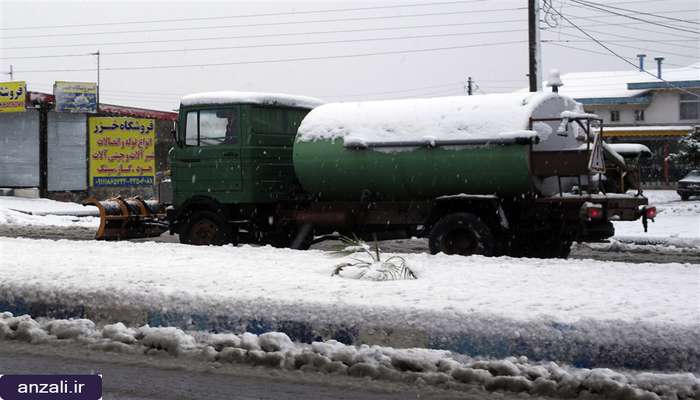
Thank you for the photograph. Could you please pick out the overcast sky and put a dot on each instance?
(425, 48)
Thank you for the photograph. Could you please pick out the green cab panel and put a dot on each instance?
(268, 168)
(331, 171)
(236, 153)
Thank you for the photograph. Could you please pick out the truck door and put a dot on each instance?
(209, 160)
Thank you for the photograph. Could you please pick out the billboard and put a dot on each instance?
(77, 97)
(122, 151)
(13, 96)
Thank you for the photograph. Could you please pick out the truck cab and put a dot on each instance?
(233, 155)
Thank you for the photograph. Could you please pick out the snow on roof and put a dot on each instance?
(232, 97)
(606, 84)
(492, 116)
(649, 128)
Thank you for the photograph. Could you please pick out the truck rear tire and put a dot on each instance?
(461, 233)
(205, 228)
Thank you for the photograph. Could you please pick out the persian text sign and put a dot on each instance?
(13, 96)
(122, 151)
(75, 96)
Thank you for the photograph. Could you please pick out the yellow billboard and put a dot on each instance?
(122, 151)
(13, 96)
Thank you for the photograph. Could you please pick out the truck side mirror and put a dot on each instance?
(173, 134)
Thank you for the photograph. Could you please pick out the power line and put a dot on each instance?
(639, 47)
(455, 84)
(121, 22)
(265, 35)
(257, 24)
(600, 53)
(635, 18)
(640, 12)
(323, 42)
(627, 25)
(280, 60)
(173, 40)
(619, 56)
(629, 40)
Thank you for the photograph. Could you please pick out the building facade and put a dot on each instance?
(54, 153)
(637, 107)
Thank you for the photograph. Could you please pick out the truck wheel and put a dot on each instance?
(461, 233)
(207, 228)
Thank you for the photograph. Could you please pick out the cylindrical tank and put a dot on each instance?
(426, 148)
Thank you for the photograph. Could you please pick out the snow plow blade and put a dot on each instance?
(130, 218)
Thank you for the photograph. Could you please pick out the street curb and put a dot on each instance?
(585, 344)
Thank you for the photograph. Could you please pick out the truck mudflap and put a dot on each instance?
(130, 218)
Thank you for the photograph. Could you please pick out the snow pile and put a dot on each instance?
(233, 97)
(170, 339)
(44, 212)
(630, 149)
(418, 366)
(46, 207)
(486, 117)
(670, 246)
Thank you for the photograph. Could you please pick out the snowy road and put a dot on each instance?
(139, 378)
(626, 252)
(673, 237)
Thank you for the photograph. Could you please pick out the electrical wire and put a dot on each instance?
(634, 18)
(623, 58)
(627, 25)
(280, 60)
(264, 35)
(639, 47)
(640, 12)
(323, 42)
(275, 14)
(258, 24)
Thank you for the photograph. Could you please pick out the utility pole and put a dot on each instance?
(469, 86)
(535, 54)
(98, 78)
(11, 73)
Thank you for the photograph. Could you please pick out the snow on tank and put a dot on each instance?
(233, 97)
(485, 117)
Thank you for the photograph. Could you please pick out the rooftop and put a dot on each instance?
(627, 87)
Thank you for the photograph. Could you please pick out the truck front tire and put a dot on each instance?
(204, 228)
(463, 234)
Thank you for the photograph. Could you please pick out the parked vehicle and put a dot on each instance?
(689, 185)
(516, 174)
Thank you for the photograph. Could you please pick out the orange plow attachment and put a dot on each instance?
(129, 218)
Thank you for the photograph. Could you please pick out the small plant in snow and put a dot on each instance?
(374, 269)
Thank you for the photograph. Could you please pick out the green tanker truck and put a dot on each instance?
(519, 174)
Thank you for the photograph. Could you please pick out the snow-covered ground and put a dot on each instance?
(20, 211)
(418, 366)
(599, 313)
(521, 289)
(676, 220)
